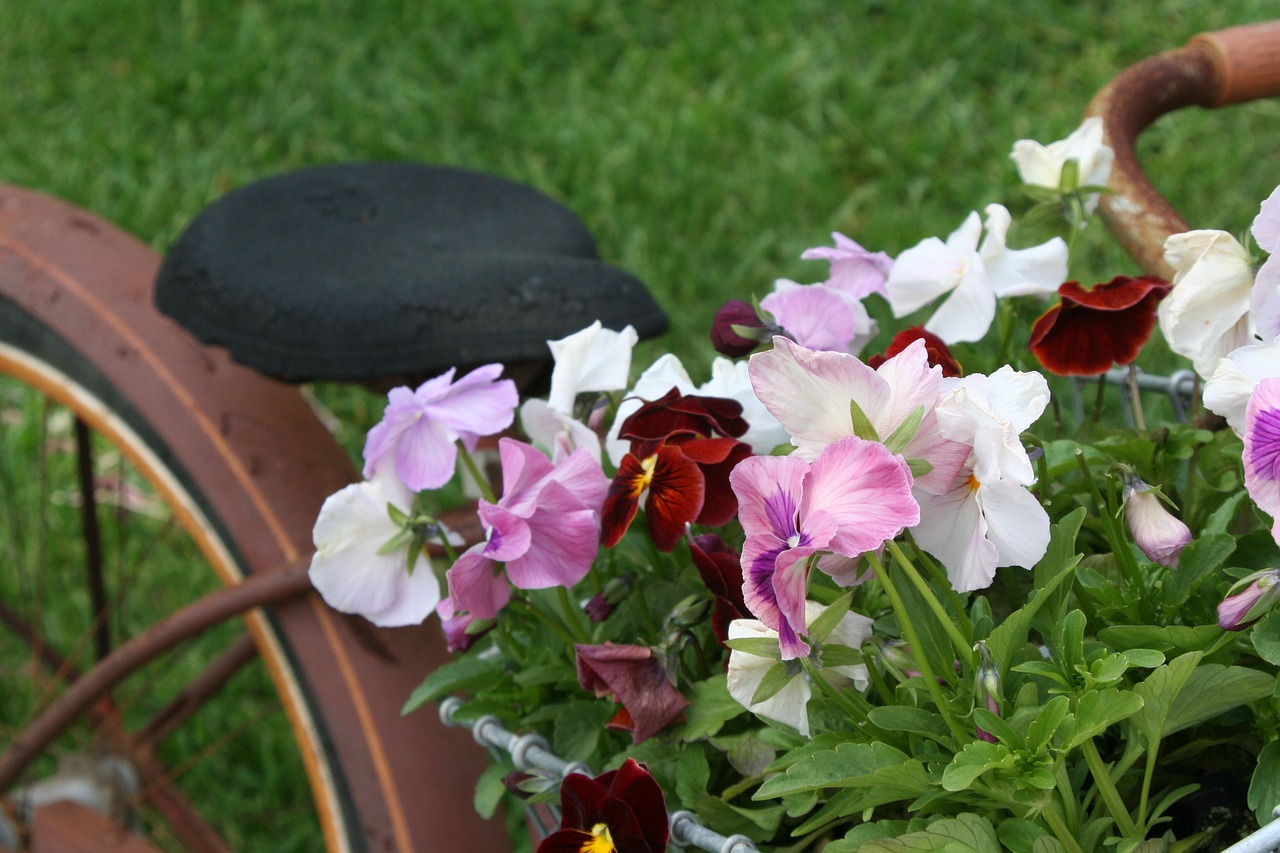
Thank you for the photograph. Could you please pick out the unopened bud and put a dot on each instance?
(1155, 530)
(1249, 600)
(986, 687)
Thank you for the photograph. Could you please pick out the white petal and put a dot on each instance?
(746, 671)
(661, 376)
(967, 313)
(1206, 315)
(953, 530)
(1016, 523)
(732, 379)
(1228, 390)
(594, 359)
(1020, 272)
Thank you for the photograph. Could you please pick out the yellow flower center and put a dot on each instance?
(973, 483)
(600, 842)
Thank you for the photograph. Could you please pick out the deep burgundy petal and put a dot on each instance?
(676, 493)
(565, 841)
(581, 798)
(633, 784)
(719, 503)
(726, 341)
(1090, 330)
(622, 500)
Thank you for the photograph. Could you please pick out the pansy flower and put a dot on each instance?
(1262, 450)
(935, 348)
(854, 497)
(682, 450)
(721, 570)
(622, 811)
(819, 317)
(544, 529)
(1229, 389)
(854, 270)
(417, 434)
(1090, 330)
(635, 678)
(1041, 165)
(1206, 315)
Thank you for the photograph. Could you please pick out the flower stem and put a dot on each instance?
(1135, 395)
(572, 616)
(940, 577)
(1106, 787)
(964, 648)
(482, 483)
(1059, 827)
(913, 638)
(832, 692)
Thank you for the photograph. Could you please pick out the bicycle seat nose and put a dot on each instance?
(376, 270)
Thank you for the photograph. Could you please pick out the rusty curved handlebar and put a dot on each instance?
(1212, 70)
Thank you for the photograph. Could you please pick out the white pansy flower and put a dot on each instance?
(971, 275)
(1041, 165)
(594, 359)
(1206, 314)
(1228, 390)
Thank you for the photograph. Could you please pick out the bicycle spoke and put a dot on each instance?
(92, 535)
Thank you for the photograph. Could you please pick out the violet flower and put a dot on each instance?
(1262, 450)
(416, 435)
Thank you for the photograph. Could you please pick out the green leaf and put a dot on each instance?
(1042, 728)
(761, 647)
(1199, 560)
(1019, 835)
(775, 679)
(1055, 567)
(904, 718)
(966, 833)
(1264, 789)
(1048, 844)
(490, 788)
(1144, 658)
(1098, 710)
(460, 674)
(692, 773)
(749, 753)
(1166, 638)
(710, 707)
(830, 618)
(901, 437)
(975, 759)
(896, 783)
(1159, 690)
(578, 727)
(862, 426)
(831, 768)
(993, 724)
(1266, 638)
(919, 467)
(758, 824)
(1108, 668)
(1212, 689)
(1221, 517)
(834, 655)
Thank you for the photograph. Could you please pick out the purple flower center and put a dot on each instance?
(780, 508)
(1265, 454)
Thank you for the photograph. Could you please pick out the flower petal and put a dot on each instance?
(1262, 450)
(867, 492)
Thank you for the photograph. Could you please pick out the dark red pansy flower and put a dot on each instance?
(622, 811)
(682, 450)
(634, 677)
(735, 318)
(936, 348)
(721, 569)
(1090, 330)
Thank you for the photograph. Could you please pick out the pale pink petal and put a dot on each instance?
(402, 412)
(524, 469)
(509, 534)
(809, 392)
(732, 379)
(1264, 300)
(790, 584)
(812, 315)
(580, 473)
(768, 488)
(478, 403)
(1266, 225)
(854, 270)
(425, 455)
(564, 545)
(867, 492)
(474, 587)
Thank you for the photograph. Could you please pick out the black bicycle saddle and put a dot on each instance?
(376, 270)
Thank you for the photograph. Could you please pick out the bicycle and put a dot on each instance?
(243, 463)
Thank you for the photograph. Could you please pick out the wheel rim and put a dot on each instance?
(131, 487)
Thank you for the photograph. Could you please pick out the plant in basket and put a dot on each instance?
(874, 585)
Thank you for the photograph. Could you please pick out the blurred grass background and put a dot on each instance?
(706, 144)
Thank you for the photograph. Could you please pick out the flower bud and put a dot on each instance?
(1155, 530)
(737, 329)
(1249, 600)
(600, 606)
(986, 687)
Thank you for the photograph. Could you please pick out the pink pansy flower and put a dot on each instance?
(971, 275)
(349, 570)
(545, 529)
(855, 496)
(1206, 316)
(854, 270)
(810, 393)
(416, 435)
(1262, 450)
(790, 704)
(820, 317)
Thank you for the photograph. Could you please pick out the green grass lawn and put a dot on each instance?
(706, 143)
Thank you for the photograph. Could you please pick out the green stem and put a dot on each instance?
(554, 624)
(473, 469)
(1119, 544)
(878, 682)
(913, 638)
(1102, 778)
(940, 578)
(1147, 775)
(832, 692)
(1059, 827)
(1135, 397)
(964, 648)
(572, 616)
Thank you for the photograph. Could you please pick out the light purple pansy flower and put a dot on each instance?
(853, 497)
(545, 529)
(854, 270)
(417, 434)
